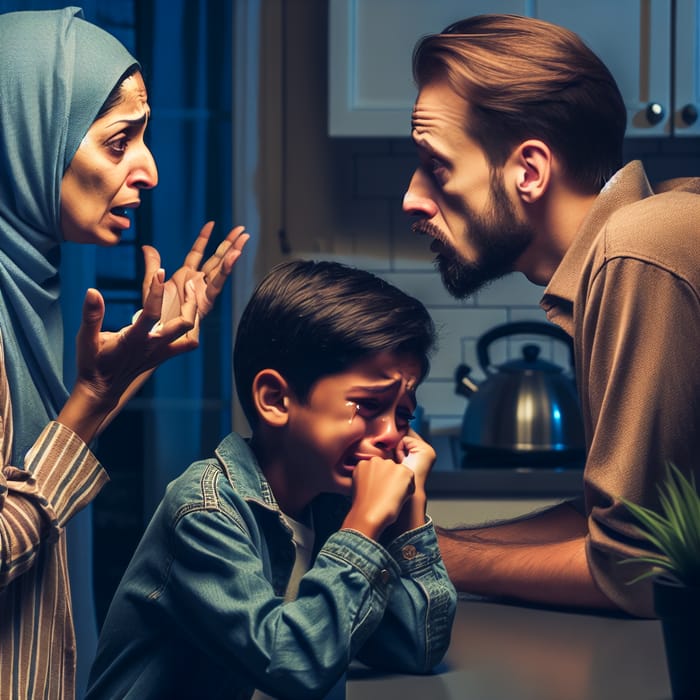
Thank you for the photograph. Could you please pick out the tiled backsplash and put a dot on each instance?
(366, 181)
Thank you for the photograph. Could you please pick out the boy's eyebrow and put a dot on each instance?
(384, 388)
(376, 388)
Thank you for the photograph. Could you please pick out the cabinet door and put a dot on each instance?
(370, 85)
(687, 68)
(371, 89)
(633, 38)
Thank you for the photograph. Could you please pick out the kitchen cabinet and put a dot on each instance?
(686, 69)
(651, 47)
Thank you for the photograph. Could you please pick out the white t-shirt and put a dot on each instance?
(303, 537)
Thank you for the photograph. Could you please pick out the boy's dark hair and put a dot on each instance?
(312, 319)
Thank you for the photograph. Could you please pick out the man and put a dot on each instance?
(519, 129)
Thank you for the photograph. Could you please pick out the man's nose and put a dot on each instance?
(144, 173)
(418, 199)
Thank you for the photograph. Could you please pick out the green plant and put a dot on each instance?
(674, 531)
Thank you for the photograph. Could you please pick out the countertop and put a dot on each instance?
(450, 477)
(517, 652)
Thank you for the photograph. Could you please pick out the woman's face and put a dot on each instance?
(109, 170)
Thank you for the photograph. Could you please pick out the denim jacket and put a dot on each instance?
(200, 611)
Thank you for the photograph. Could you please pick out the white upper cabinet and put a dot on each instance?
(370, 86)
(686, 69)
(371, 90)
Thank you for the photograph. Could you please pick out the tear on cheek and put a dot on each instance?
(354, 410)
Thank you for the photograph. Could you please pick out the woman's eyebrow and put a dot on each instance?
(137, 121)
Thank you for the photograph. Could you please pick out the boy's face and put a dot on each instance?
(359, 413)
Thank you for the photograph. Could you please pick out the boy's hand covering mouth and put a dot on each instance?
(410, 461)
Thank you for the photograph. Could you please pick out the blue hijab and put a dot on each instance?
(56, 71)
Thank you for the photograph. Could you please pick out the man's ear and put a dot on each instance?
(271, 397)
(531, 162)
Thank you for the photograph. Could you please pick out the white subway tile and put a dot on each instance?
(512, 290)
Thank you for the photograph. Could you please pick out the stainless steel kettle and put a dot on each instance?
(526, 410)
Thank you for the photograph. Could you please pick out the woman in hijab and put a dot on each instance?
(73, 111)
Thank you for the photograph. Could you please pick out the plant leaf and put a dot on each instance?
(674, 531)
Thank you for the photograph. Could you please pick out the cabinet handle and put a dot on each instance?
(655, 112)
(689, 114)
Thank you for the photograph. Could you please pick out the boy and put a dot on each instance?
(276, 562)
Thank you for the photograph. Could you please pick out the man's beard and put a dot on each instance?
(498, 238)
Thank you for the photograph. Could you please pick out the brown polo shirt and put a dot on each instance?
(628, 291)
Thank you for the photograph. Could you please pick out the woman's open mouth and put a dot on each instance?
(121, 217)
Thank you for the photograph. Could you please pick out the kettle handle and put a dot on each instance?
(519, 328)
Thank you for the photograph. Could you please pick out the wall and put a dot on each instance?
(341, 199)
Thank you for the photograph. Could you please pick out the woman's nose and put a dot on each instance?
(418, 199)
(145, 172)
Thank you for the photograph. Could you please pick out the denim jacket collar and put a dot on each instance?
(243, 471)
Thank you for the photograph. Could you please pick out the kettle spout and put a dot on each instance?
(464, 384)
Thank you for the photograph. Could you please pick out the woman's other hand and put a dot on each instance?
(111, 365)
(208, 278)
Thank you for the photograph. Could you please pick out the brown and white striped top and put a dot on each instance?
(59, 477)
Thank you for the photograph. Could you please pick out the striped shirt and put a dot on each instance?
(60, 476)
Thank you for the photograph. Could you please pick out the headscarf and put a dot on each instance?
(56, 71)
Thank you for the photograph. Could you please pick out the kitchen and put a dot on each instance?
(339, 197)
(305, 192)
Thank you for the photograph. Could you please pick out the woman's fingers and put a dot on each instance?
(196, 254)
(216, 278)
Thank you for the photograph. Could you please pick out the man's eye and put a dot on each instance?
(438, 169)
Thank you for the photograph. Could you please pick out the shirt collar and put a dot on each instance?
(241, 466)
(627, 185)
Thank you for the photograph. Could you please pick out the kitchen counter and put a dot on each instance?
(450, 477)
(514, 652)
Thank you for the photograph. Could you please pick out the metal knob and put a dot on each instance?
(655, 112)
(689, 114)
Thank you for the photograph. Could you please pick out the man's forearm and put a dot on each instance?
(554, 573)
(539, 558)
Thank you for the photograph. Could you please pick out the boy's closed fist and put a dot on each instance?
(380, 487)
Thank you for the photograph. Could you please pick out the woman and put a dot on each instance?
(73, 160)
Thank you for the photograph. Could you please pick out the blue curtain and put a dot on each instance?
(185, 50)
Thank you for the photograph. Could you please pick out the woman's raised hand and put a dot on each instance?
(208, 278)
(113, 366)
